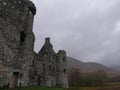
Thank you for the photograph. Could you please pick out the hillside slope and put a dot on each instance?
(117, 68)
(90, 67)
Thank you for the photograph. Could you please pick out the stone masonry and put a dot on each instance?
(20, 66)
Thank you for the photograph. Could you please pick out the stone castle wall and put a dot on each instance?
(16, 40)
(19, 64)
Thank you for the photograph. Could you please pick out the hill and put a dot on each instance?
(117, 67)
(90, 67)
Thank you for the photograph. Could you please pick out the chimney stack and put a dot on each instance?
(47, 40)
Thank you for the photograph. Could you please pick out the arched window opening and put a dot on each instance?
(64, 71)
(22, 37)
(50, 53)
(33, 62)
(43, 66)
(44, 54)
(50, 67)
(64, 59)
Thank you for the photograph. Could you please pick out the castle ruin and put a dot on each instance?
(20, 66)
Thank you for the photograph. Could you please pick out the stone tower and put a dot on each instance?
(62, 75)
(16, 41)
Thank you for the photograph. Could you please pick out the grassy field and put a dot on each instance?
(95, 88)
(109, 86)
(35, 88)
(81, 88)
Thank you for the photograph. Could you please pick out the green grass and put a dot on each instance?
(109, 86)
(95, 88)
(79, 88)
(36, 88)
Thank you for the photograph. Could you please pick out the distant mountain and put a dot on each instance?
(90, 67)
(117, 67)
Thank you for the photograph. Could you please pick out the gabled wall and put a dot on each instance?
(52, 67)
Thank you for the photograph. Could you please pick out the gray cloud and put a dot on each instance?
(88, 30)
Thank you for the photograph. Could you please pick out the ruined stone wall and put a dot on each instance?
(19, 64)
(62, 75)
(47, 63)
(52, 67)
(16, 37)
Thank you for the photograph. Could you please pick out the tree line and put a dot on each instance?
(76, 78)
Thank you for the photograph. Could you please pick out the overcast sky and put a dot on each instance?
(89, 30)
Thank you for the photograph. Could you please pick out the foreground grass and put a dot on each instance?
(35, 88)
(79, 88)
(109, 86)
(95, 88)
